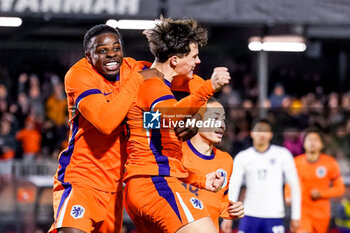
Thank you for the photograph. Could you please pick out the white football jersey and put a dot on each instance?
(264, 175)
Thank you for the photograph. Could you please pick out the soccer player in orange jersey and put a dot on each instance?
(200, 157)
(155, 198)
(320, 180)
(100, 89)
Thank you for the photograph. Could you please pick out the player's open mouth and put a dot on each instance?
(112, 66)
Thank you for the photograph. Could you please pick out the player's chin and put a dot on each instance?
(111, 75)
(216, 140)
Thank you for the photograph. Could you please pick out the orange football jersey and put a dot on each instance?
(158, 151)
(200, 164)
(324, 175)
(96, 150)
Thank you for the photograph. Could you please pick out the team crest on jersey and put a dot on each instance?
(321, 172)
(196, 203)
(77, 211)
(223, 174)
(272, 161)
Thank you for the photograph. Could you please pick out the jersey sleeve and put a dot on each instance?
(185, 84)
(194, 180)
(225, 200)
(223, 210)
(338, 188)
(290, 172)
(236, 178)
(225, 203)
(91, 103)
(155, 96)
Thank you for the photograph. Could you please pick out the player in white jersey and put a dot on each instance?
(264, 168)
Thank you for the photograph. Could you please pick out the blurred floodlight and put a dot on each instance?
(10, 22)
(255, 44)
(277, 43)
(112, 23)
(131, 24)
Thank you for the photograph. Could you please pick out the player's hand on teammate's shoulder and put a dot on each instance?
(220, 77)
(236, 209)
(151, 73)
(214, 181)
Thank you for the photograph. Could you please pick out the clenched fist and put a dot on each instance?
(214, 181)
(220, 77)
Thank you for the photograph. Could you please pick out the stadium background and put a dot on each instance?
(35, 56)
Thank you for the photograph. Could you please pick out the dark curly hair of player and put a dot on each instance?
(173, 37)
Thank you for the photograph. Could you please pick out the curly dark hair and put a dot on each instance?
(95, 31)
(173, 37)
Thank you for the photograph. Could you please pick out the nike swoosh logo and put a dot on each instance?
(107, 93)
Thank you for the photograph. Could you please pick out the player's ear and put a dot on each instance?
(173, 61)
(88, 56)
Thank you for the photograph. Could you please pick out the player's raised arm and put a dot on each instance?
(190, 104)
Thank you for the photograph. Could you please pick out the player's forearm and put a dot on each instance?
(336, 190)
(234, 188)
(236, 180)
(188, 105)
(184, 84)
(107, 116)
(195, 180)
(293, 182)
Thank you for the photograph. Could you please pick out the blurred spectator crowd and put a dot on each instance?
(34, 118)
(33, 113)
(290, 110)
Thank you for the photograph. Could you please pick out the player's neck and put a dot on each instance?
(202, 145)
(261, 148)
(313, 156)
(164, 68)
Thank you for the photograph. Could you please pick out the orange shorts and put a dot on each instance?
(86, 208)
(161, 204)
(315, 225)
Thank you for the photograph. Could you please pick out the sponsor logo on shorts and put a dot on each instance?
(196, 203)
(321, 172)
(77, 211)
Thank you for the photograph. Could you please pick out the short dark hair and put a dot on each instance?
(261, 120)
(95, 31)
(315, 130)
(173, 37)
(212, 100)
